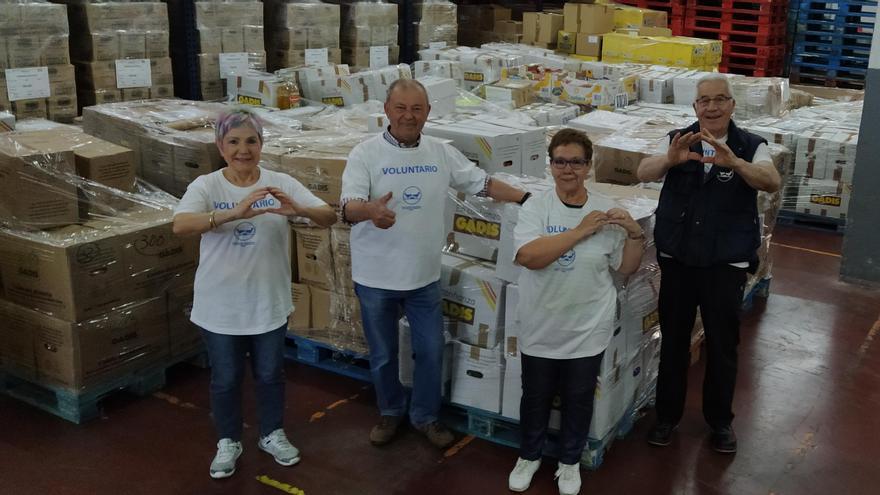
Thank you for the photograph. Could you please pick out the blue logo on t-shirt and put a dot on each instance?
(244, 231)
(566, 259)
(412, 195)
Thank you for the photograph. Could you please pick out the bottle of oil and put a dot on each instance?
(288, 94)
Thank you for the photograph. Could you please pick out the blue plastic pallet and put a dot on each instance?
(81, 406)
(836, 62)
(830, 49)
(811, 222)
(325, 356)
(760, 290)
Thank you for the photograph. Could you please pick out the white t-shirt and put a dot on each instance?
(566, 309)
(407, 255)
(762, 154)
(242, 283)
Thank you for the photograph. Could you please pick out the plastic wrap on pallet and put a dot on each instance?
(760, 96)
(233, 29)
(479, 66)
(473, 299)
(109, 248)
(676, 51)
(36, 39)
(436, 22)
(369, 34)
(299, 30)
(111, 41)
(616, 157)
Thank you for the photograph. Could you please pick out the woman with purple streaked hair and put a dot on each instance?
(242, 297)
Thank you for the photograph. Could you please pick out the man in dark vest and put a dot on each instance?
(707, 235)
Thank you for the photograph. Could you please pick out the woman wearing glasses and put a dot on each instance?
(569, 240)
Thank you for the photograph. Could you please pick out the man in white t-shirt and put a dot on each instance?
(707, 235)
(394, 192)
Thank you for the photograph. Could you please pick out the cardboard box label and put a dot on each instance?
(233, 64)
(133, 73)
(477, 227)
(28, 83)
(378, 57)
(316, 56)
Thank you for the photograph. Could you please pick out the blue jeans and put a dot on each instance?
(227, 356)
(380, 312)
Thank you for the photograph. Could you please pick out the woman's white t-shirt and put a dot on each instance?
(242, 284)
(407, 255)
(567, 308)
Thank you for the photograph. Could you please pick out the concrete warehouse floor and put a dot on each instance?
(807, 401)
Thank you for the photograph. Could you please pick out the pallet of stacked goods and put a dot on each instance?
(302, 33)
(90, 270)
(120, 50)
(36, 77)
(435, 24)
(230, 43)
(675, 11)
(369, 34)
(479, 24)
(753, 32)
(832, 42)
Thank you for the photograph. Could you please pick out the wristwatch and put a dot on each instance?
(639, 237)
(526, 196)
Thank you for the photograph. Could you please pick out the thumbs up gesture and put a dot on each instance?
(380, 214)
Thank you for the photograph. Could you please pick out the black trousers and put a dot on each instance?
(575, 381)
(718, 292)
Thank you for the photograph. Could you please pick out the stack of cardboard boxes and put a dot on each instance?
(86, 299)
(335, 85)
(230, 41)
(172, 140)
(583, 28)
(301, 33)
(542, 28)
(121, 51)
(369, 35)
(436, 24)
(478, 24)
(36, 78)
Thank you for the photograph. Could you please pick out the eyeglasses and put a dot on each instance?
(575, 164)
(717, 100)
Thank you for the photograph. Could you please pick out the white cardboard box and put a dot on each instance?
(512, 393)
(490, 147)
(477, 377)
(474, 298)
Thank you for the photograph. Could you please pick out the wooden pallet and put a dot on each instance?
(81, 406)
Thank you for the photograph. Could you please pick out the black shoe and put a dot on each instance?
(661, 434)
(723, 440)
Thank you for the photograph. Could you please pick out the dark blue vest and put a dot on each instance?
(710, 220)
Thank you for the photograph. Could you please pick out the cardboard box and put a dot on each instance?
(511, 395)
(589, 18)
(477, 377)
(548, 24)
(106, 163)
(632, 17)
(78, 355)
(300, 319)
(510, 92)
(588, 44)
(312, 242)
(530, 27)
(474, 299)
(492, 148)
(81, 271)
(321, 173)
(184, 336)
(28, 193)
(320, 307)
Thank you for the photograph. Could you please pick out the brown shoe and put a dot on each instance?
(437, 434)
(384, 432)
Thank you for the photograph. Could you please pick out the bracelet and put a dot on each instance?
(639, 237)
(211, 220)
(526, 196)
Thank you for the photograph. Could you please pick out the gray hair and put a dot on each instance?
(407, 84)
(716, 77)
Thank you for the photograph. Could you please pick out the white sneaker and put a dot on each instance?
(223, 465)
(521, 477)
(280, 447)
(568, 476)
